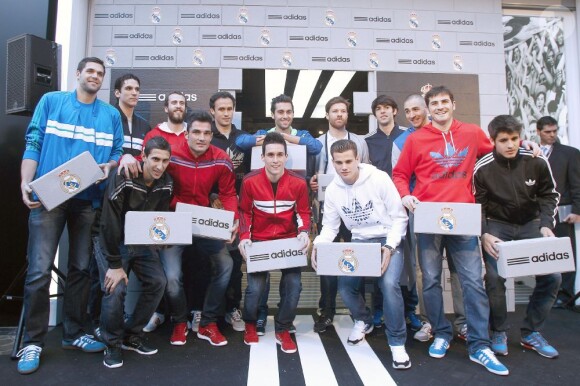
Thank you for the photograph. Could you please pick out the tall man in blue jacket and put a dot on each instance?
(64, 125)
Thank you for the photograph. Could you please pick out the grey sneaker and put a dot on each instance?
(424, 333)
(235, 319)
(322, 323)
(195, 319)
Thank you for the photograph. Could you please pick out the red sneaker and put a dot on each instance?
(178, 338)
(212, 334)
(251, 335)
(286, 343)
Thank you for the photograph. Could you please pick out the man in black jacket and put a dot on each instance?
(565, 163)
(150, 191)
(518, 198)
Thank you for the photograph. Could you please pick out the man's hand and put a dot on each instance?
(314, 183)
(488, 242)
(546, 232)
(113, 277)
(410, 202)
(305, 240)
(106, 168)
(291, 138)
(386, 259)
(129, 166)
(27, 196)
(215, 202)
(532, 146)
(234, 231)
(260, 140)
(572, 218)
(313, 262)
(242, 247)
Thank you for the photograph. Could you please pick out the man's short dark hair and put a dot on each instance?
(438, 91)
(199, 116)
(174, 92)
(336, 100)
(220, 95)
(90, 59)
(546, 121)
(157, 142)
(342, 146)
(504, 124)
(383, 100)
(273, 138)
(280, 99)
(120, 81)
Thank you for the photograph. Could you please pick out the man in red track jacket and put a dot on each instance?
(273, 205)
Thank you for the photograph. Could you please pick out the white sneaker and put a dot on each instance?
(156, 320)
(235, 319)
(424, 334)
(401, 359)
(195, 319)
(359, 330)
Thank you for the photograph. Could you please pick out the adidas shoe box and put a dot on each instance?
(157, 228)
(296, 158)
(275, 254)
(348, 259)
(448, 218)
(323, 181)
(539, 256)
(207, 222)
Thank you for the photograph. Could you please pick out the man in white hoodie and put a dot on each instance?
(366, 200)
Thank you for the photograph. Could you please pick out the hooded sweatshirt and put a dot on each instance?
(442, 162)
(370, 208)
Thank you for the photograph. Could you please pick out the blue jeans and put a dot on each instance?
(290, 288)
(393, 308)
(466, 256)
(221, 269)
(146, 265)
(409, 291)
(45, 229)
(544, 294)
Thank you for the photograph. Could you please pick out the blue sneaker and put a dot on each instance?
(438, 348)
(413, 321)
(499, 343)
(85, 343)
(486, 358)
(29, 359)
(378, 318)
(535, 341)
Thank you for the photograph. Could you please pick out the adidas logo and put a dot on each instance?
(530, 182)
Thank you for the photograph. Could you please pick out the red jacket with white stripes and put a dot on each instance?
(194, 177)
(268, 216)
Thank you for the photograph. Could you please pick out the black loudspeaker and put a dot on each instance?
(31, 71)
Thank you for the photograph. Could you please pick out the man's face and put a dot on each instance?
(129, 93)
(283, 115)
(416, 113)
(507, 144)
(274, 158)
(385, 115)
(199, 137)
(175, 108)
(155, 163)
(223, 112)
(90, 79)
(337, 115)
(441, 109)
(346, 166)
(548, 134)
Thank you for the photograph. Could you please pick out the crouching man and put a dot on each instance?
(366, 199)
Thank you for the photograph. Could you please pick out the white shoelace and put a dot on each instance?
(29, 352)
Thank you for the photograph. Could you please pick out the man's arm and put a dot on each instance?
(27, 172)
(330, 221)
(396, 212)
(112, 216)
(303, 208)
(227, 187)
(547, 196)
(313, 146)
(247, 141)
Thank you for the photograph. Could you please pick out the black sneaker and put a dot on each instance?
(135, 343)
(261, 326)
(113, 357)
(322, 323)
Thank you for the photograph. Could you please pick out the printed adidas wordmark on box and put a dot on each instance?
(207, 222)
(275, 254)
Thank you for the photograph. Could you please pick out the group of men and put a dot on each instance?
(203, 159)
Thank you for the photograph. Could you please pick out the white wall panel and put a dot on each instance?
(245, 16)
(288, 58)
(154, 57)
(156, 14)
(265, 37)
(203, 57)
(113, 15)
(177, 36)
(102, 35)
(133, 36)
(200, 15)
(459, 63)
(436, 41)
(419, 19)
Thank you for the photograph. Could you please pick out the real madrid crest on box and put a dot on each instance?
(436, 42)
(69, 183)
(447, 221)
(348, 262)
(351, 39)
(287, 59)
(373, 60)
(457, 63)
(413, 20)
(156, 15)
(159, 232)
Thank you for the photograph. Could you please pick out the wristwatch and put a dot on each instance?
(391, 249)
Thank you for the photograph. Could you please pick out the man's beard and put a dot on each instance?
(172, 117)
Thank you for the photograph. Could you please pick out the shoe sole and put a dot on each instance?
(115, 366)
(488, 369)
(250, 343)
(129, 348)
(286, 351)
(502, 353)
(529, 347)
(200, 336)
(72, 347)
(402, 366)
(178, 342)
(438, 356)
(238, 329)
(30, 371)
(261, 333)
